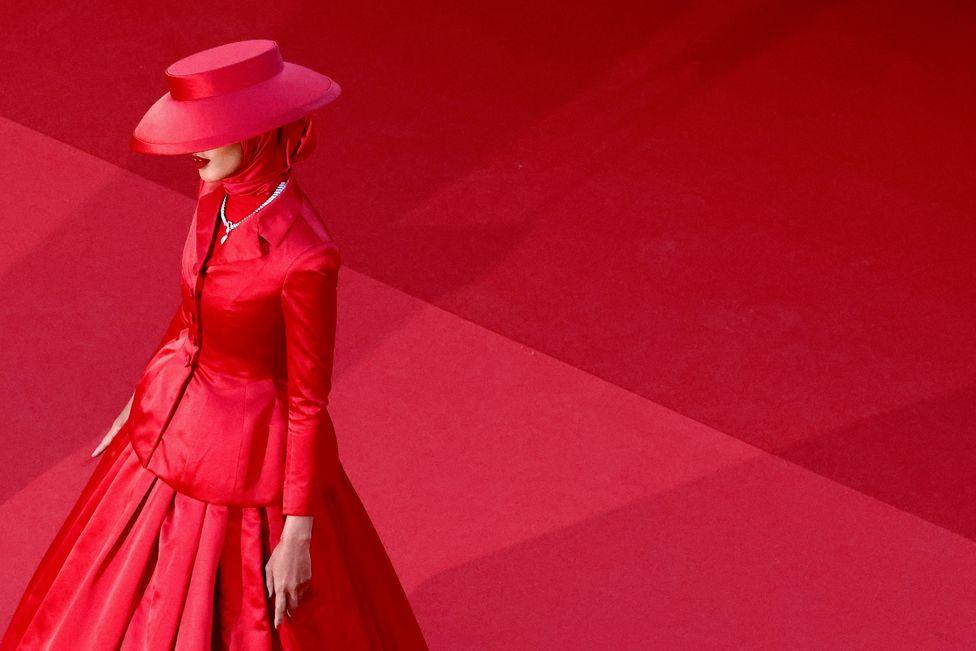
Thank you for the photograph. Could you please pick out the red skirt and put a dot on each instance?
(138, 565)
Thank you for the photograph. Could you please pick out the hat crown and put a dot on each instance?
(224, 69)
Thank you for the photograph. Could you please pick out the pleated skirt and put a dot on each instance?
(138, 565)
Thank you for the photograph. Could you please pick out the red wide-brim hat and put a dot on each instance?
(226, 94)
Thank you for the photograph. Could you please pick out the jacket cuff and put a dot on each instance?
(311, 467)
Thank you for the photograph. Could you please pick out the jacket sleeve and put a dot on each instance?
(308, 303)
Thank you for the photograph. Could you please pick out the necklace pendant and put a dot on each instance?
(229, 225)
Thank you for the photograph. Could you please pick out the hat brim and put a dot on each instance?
(173, 127)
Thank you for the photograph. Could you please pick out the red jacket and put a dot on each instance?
(232, 406)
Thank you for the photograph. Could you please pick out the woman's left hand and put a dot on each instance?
(289, 570)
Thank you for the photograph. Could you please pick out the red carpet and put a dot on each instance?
(658, 320)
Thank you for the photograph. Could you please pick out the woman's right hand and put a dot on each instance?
(114, 429)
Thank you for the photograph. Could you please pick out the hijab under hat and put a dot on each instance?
(268, 158)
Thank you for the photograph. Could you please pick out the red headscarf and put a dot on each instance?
(268, 158)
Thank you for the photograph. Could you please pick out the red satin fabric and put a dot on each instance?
(139, 566)
(229, 432)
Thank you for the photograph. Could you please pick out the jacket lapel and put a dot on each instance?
(251, 241)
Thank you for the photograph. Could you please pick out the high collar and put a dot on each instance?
(253, 240)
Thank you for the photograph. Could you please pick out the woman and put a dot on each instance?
(219, 515)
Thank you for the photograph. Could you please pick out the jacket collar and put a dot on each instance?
(273, 222)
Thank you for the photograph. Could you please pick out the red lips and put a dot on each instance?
(199, 161)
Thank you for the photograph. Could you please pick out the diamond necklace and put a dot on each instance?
(229, 225)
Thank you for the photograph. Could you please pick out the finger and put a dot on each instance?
(279, 607)
(101, 446)
(268, 581)
(292, 599)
